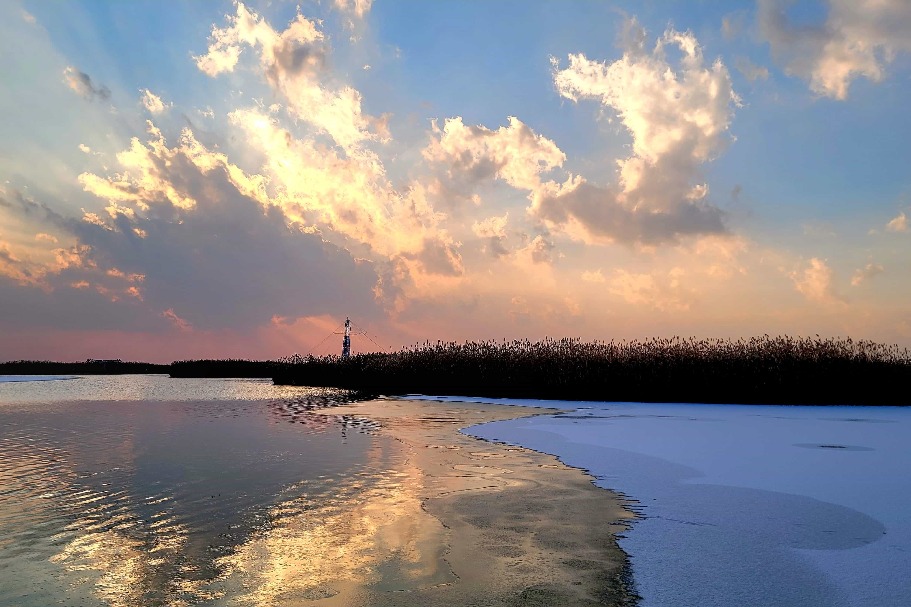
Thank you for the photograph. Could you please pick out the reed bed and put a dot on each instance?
(223, 368)
(760, 370)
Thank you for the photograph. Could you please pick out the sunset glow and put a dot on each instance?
(214, 180)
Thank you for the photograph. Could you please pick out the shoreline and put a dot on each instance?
(509, 525)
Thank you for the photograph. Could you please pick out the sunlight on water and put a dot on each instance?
(140, 387)
(128, 491)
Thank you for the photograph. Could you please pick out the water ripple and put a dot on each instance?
(127, 502)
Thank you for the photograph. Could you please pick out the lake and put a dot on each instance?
(143, 490)
(146, 490)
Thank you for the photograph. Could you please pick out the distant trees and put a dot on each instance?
(89, 367)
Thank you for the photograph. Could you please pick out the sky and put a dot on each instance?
(213, 179)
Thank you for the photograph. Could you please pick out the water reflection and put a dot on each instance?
(184, 502)
(153, 388)
(372, 531)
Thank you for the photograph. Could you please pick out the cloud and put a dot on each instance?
(294, 63)
(343, 195)
(596, 276)
(491, 227)
(899, 223)
(179, 323)
(31, 208)
(358, 8)
(732, 25)
(719, 256)
(513, 153)
(541, 249)
(439, 257)
(597, 214)
(81, 83)
(750, 70)
(13, 267)
(815, 282)
(858, 38)
(70, 303)
(211, 250)
(865, 273)
(663, 292)
(153, 103)
(493, 231)
(678, 117)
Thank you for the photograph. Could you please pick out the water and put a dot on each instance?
(146, 490)
(747, 505)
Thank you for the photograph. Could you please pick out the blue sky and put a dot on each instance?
(214, 179)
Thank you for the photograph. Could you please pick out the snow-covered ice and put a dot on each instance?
(746, 505)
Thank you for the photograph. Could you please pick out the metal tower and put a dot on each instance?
(346, 341)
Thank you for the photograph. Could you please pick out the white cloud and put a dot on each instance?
(678, 117)
(293, 62)
(493, 231)
(491, 227)
(664, 109)
(899, 223)
(815, 282)
(514, 153)
(858, 38)
(348, 195)
(153, 102)
(358, 8)
(865, 273)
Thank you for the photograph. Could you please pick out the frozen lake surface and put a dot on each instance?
(24, 378)
(746, 505)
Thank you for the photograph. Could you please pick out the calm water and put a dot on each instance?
(146, 490)
(747, 505)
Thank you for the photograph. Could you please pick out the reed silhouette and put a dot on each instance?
(771, 370)
(759, 370)
(230, 367)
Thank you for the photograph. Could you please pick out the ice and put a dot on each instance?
(18, 378)
(747, 505)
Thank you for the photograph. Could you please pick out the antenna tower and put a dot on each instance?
(346, 341)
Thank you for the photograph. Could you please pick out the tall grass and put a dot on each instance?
(765, 369)
(229, 367)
